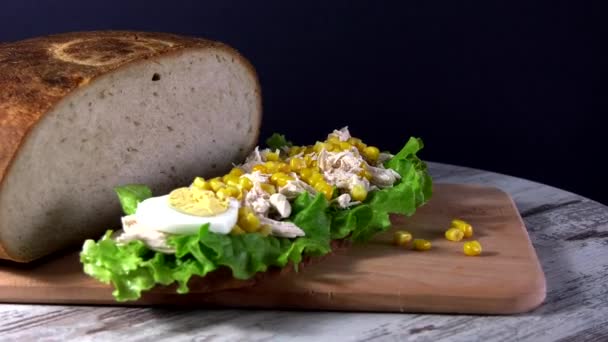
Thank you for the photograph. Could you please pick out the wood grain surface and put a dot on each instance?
(569, 233)
(376, 276)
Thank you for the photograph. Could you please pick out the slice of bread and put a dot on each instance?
(81, 113)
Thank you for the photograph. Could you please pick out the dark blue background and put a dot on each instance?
(501, 86)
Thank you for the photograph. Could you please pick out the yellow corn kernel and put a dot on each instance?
(344, 145)
(243, 211)
(358, 193)
(360, 145)
(371, 153)
(297, 164)
(260, 167)
(333, 139)
(333, 148)
(472, 248)
(315, 178)
(294, 150)
(236, 230)
(365, 174)
(465, 227)
(216, 183)
(199, 182)
(272, 166)
(236, 171)
(278, 175)
(308, 159)
(229, 191)
(245, 183)
(249, 223)
(265, 230)
(306, 173)
(354, 141)
(272, 156)
(231, 179)
(280, 178)
(454, 234)
(319, 146)
(325, 189)
(269, 188)
(402, 238)
(284, 167)
(422, 245)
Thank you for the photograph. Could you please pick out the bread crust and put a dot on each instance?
(37, 73)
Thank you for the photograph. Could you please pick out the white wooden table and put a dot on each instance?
(569, 232)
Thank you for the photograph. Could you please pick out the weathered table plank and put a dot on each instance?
(569, 232)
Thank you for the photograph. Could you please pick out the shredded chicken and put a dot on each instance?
(258, 200)
(383, 177)
(343, 134)
(342, 169)
(344, 201)
(257, 177)
(132, 230)
(282, 228)
(382, 157)
(254, 158)
(280, 203)
(295, 187)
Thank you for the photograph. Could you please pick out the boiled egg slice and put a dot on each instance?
(156, 213)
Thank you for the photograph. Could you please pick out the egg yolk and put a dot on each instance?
(197, 202)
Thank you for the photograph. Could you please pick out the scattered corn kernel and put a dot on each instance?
(454, 234)
(402, 238)
(422, 245)
(465, 227)
(472, 248)
(236, 230)
(358, 193)
(260, 167)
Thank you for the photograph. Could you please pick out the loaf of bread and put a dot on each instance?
(81, 113)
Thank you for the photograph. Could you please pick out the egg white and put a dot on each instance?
(156, 213)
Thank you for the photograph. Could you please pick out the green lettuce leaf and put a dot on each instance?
(411, 191)
(131, 195)
(277, 141)
(133, 268)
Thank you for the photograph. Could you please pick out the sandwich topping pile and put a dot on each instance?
(283, 203)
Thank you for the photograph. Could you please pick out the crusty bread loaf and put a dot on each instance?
(83, 112)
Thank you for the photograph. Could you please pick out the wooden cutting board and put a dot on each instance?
(377, 276)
